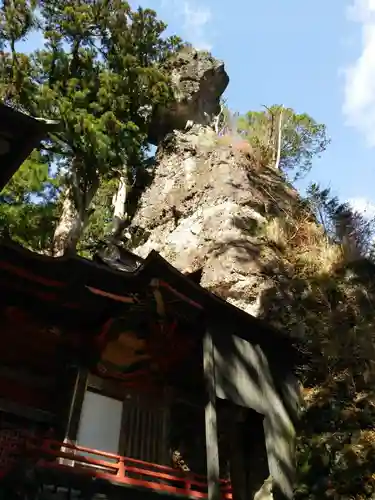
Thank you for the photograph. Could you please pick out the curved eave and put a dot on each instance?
(23, 133)
(219, 311)
(74, 273)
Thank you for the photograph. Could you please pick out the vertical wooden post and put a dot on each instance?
(280, 434)
(74, 412)
(76, 403)
(212, 447)
(281, 455)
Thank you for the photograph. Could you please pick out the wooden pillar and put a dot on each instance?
(78, 383)
(212, 447)
(76, 403)
(279, 430)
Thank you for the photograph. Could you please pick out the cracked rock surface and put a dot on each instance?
(198, 81)
(205, 210)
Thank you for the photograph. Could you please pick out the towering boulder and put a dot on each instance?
(205, 209)
(208, 202)
(209, 194)
(214, 207)
(198, 82)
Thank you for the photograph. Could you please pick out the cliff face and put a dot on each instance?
(205, 211)
(214, 207)
(207, 204)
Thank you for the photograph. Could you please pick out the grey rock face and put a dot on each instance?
(205, 210)
(198, 81)
(210, 197)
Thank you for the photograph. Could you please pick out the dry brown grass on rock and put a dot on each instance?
(332, 307)
(240, 146)
(303, 243)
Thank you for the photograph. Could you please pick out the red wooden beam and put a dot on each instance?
(30, 276)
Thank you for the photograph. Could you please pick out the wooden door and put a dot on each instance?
(145, 428)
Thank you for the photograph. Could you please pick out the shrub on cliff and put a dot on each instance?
(327, 300)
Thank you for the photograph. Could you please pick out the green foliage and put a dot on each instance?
(100, 222)
(302, 138)
(16, 22)
(99, 74)
(326, 301)
(342, 224)
(28, 208)
(328, 304)
(336, 449)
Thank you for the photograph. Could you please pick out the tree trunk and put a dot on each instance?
(67, 230)
(279, 138)
(119, 206)
(73, 220)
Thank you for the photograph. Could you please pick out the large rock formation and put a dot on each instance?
(198, 81)
(213, 207)
(209, 199)
(211, 194)
(204, 211)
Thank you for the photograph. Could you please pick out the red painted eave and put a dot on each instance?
(53, 275)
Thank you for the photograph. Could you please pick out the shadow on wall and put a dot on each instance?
(328, 305)
(242, 449)
(252, 384)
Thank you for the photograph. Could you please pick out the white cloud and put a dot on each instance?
(196, 19)
(359, 91)
(363, 206)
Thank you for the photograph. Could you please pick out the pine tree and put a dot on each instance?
(28, 209)
(17, 20)
(288, 141)
(99, 75)
(342, 224)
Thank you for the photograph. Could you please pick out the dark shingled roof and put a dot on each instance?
(19, 135)
(71, 279)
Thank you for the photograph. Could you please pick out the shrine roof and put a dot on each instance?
(19, 135)
(88, 292)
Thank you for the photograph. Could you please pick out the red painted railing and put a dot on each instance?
(74, 459)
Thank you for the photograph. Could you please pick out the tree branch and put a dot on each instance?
(279, 137)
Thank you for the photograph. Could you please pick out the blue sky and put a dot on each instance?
(314, 56)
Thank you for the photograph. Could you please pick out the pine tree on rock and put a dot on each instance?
(287, 140)
(99, 75)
